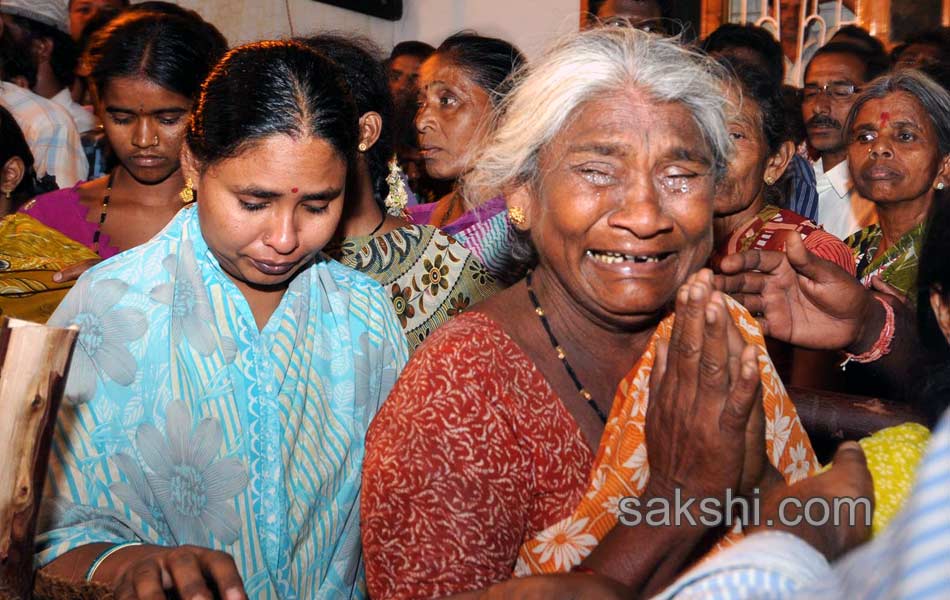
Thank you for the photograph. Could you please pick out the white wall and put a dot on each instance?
(529, 24)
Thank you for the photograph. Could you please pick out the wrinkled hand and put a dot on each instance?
(72, 272)
(848, 477)
(571, 586)
(798, 297)
(704, 391)
(186, 572)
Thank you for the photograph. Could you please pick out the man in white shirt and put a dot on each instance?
(39, 29)
(833, 80)
(50, 132)
(48, 128)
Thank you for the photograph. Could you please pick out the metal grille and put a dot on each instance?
(817, 22)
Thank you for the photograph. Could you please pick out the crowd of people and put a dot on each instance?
(441, 323)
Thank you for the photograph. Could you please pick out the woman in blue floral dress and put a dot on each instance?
(226, 372)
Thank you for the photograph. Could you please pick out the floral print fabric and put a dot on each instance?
(622, 467)
(430, 276)
(485, 231)
(30, 253)
(186, 424)
(476, 471)
(767, 231)
(897, 265)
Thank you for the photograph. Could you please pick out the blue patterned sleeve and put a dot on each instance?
(804, 200)
(79, 494)
(763, 566)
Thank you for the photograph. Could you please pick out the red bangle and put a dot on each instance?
(583, 569)
(882, 346)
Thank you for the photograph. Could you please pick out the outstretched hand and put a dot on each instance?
(785, 508)
(798, 297)
(72, 272)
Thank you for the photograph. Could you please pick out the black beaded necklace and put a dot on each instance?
(562, 356)
(103, 211)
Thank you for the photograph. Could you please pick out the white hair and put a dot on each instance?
(584, 66)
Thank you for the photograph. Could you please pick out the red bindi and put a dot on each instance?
(293, 190)
(885, 117)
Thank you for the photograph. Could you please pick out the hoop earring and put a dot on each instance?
(187, 194)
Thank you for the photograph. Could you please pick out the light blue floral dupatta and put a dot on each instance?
(184, 424)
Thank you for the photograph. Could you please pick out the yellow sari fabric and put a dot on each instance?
(621, 467)
(30, 253)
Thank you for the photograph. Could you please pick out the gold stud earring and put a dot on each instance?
(187, 194)
(362, 147)
(516, 216)
(769, 180)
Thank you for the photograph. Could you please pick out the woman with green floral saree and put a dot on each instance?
(899, 156)
(429, 275)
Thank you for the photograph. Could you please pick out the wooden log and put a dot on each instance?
(830, 418)
(34, 360)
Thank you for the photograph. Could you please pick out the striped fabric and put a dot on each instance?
(50, 132)
(186, 424)
(805, 195)
(911, 559)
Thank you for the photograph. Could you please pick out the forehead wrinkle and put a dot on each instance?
(599, 148)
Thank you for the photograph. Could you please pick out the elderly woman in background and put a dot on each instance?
(899, 157)
(509, 440)
(429, 276)
(747, 209)
(460, 89)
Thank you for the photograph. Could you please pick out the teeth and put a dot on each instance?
(612, 258)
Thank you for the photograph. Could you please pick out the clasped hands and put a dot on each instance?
(705, 426)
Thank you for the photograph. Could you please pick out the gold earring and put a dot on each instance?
(362, 147)
(769, 180)
(187, 194)
(516, 216)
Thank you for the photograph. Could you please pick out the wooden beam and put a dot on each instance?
(34, 360)
(714, 14)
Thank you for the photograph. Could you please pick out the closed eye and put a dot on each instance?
(252, 206)
(596, 176)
